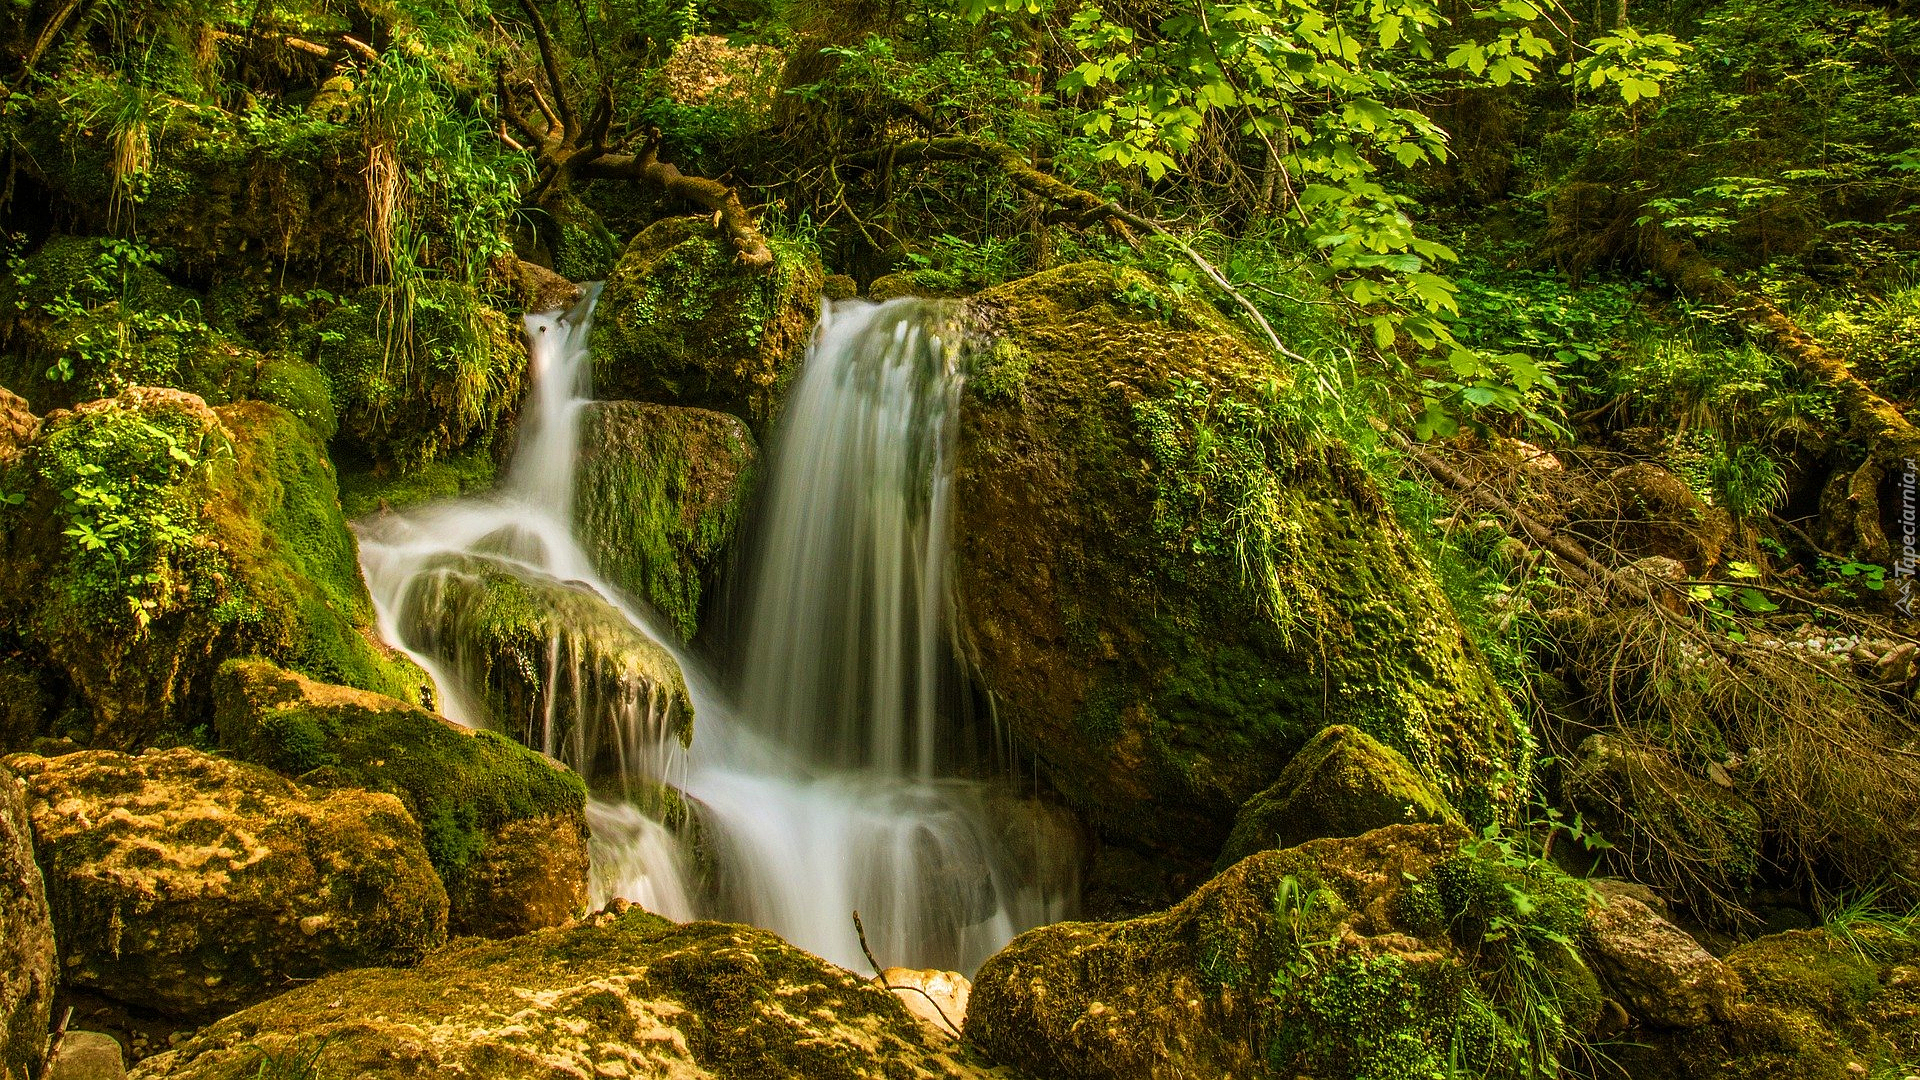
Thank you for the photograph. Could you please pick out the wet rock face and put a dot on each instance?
(504, 826)
(190, 885)
(1343, 783)
(26, 941)
(1160, 678)
(682, 322)
(1340, 957)
(625, 995)
(660, 491)
(520, 642)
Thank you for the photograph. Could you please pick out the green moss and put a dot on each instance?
(462, 786)
(366, 491)
(418, 373)
(1342, 783)
(660, 491)
(582, 246)
(1142, 517)
(682, 322)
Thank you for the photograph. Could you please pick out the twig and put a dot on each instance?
(880, 977)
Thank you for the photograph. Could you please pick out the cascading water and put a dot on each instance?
(825, 778)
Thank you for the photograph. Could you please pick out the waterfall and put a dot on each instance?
(830, 774)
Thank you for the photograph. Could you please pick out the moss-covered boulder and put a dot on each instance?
(517, 642)
(1343, 783)
(1169, 586)
(191, 885)
(412, 388)
(1667, 826)
(27, 970)
(159, 537)
(1370, 956)
(626, 995)
(506, 827)
(682, 322)
(659, 492)
(1817, 1005)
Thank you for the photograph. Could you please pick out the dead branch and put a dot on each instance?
(566, 150)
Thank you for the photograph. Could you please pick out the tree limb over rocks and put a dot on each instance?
(567, 149)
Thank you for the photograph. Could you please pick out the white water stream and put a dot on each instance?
(826, 777)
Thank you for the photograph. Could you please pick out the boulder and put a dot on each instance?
(1642, 509)
(190, 885)
(1169, 587)
(1343, 783)
(514, 642)
(682, 322)
(87, 1055)
(222, 536)
(506, 827)
(1655, 969)
(1831, 1004)
(626, 995)
(659, 491)
(1653, 811)
(410, 393)
(27, 969)
(1362, 956)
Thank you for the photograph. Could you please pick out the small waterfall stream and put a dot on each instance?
(830, 774)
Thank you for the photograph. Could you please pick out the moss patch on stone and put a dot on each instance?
(364, 491)
(1169, 588)
(1342, 783)
(682, 323)
(468, 789)
(631, 995)
(659, 493)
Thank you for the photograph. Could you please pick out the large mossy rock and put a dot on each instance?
(1354, 957)
(681, 322)
(27, 969)
(506, 827)
(1343, 783)
(659, 493)
(1168, 590)
(518, 642)
(191, 885)
(410, 392)
(160, 537)
(1817, 1005)
(632, 995)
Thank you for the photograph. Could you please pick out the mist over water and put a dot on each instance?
(830, 770)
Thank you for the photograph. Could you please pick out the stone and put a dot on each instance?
(520, 640)
(18, 427)
(178, 880)
(1356, 956)
(1644, 510)
(505, 826)
(937, 998)
(659, 493)
(1343, 783)
(683, 323)
(254, 558)
(27, 966)
(626, 994)
(1649, 808)
(87, 1055)
(1655, 969)
(1159, 678)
